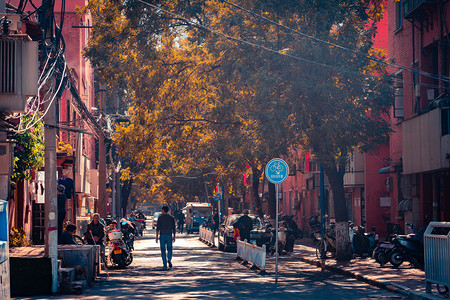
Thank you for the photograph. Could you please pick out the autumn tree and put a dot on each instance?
(215, 87)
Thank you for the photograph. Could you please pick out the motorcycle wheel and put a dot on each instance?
(321, 249)
(442, 289)
(396, 259)
(129, 260)
(381, 259)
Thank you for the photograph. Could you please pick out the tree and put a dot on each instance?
(203, 102)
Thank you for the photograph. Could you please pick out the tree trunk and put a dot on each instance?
(336, 179)
(255, 187)
(125, 195)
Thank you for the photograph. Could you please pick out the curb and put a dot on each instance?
(389, 286)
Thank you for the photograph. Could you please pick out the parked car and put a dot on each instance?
(259, 234)
(155, 219)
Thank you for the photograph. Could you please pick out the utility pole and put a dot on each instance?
(51, 221)
(102, 158)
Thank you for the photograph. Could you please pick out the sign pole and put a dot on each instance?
(276, 233)
(277, 171)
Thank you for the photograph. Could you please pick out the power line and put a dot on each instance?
(426, 74)
(275, 51)
(256, 45)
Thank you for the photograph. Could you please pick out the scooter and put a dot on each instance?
(119, 253)
(363, 244)
(383, 250)
(281, 240)
(407, 247)
(315, 228)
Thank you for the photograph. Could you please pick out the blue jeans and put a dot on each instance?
(165, 240)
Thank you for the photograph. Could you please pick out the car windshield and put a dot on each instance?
(257, 222)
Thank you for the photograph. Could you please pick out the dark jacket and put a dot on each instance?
(165, 224)
(245, 225)
(97, 230)
(66, 239)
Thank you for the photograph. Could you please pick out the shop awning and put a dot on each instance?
(386, 170)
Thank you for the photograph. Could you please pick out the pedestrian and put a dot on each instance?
(112, 226)
(245, 225)
(95, 231)
(66, 237)
(61, 199)
(216, 222)
(165, 228)
(180, 218)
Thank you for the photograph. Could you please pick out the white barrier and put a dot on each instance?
(252, 253)
(207, 236)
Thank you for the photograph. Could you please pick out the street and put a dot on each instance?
(200, 272)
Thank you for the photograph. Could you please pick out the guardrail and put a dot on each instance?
(437, 254)
(252, 253)
(206, 235)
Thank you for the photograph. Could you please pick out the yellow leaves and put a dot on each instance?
(66, 148)
(125, 174)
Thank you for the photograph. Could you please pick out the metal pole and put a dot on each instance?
(51, 216)
(322, 201)
(276, 234)
(102, 200)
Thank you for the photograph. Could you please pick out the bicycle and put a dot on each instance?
(327, 243)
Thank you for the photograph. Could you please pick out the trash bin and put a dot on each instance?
(436, 242)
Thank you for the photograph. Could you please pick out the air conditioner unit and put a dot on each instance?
(19, 72)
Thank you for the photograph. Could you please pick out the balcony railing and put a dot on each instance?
(413, 8)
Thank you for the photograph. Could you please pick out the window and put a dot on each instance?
(398, 15)
(398, 102)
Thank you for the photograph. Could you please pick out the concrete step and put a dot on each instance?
(66, 277)
(77, 287)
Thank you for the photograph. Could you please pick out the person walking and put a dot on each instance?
(180, 218)
(165, 228)
(245, 225)
(61, 199)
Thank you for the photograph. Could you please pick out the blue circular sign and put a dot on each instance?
(277, 170)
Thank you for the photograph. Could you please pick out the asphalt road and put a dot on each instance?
(200, 272)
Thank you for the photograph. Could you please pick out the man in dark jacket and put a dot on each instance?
(245, 225)
(66, 237)
(95, 231)
(165, 228)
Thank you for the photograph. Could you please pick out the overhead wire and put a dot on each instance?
(415, 71)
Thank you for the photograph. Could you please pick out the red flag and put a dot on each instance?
(307, 162)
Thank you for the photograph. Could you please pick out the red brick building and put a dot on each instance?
(419, 166)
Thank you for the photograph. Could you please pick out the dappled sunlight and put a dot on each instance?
(201, 272)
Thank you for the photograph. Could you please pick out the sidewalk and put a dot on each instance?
(405, 280)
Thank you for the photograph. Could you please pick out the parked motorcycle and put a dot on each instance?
(119, 252)
(363, 244)
(407, 248)
(383, 250)
(281, 239)
(315, 228)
